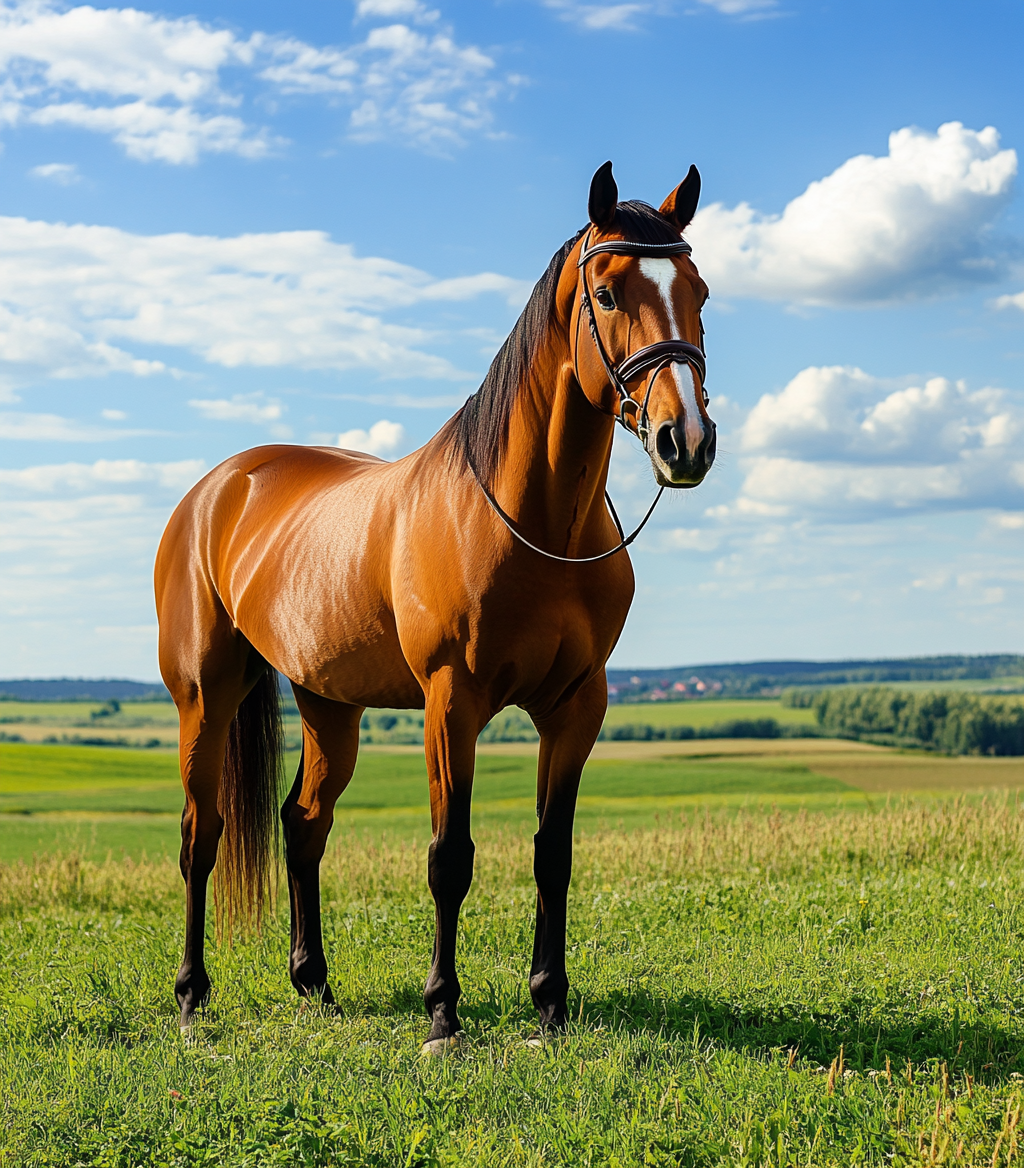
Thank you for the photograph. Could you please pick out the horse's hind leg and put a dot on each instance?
(566, 740)
(208, 669)
(330, 741)
(202, 759)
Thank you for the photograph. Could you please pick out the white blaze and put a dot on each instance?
(662, 274)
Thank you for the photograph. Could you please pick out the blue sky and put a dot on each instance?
(228, 224)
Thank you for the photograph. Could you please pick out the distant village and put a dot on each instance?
(638, 689)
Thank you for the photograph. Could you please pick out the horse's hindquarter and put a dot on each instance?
(304, 574)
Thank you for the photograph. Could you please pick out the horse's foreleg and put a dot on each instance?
(566, 740)
(452, 721)
(330, 742)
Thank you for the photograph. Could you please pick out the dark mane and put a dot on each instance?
(480, 428)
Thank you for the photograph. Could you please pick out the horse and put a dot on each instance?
(482, 570)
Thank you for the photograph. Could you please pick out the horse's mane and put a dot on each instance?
(479, 431)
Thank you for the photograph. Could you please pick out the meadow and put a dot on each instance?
(789, 952)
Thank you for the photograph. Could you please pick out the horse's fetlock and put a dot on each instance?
(549, 989)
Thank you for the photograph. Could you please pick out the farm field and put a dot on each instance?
(706, 712)
(750, 987)
(155, 724)
(783, 952)
(99, 801)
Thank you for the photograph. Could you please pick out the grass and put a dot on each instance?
(706, 712)
(749, 988)
(100, 801)
(155, 723)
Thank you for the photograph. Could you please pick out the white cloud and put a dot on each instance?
(113, 415)
(77, 542)
(73, 295)
(81, 476)
(915, 222)
(65, 174)
(241, 408)
(689, 539)
(54, 428)
(151, 133)
(382, 438)
(836, 440)
(389, 9)
(741, 7)
(161, 88)
(599, 17)
(1014, 301)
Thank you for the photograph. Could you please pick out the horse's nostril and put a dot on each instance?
(668, 450)
(710, 446)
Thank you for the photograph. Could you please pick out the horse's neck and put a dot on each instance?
(555, 463)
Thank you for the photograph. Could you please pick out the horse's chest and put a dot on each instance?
(549, 637)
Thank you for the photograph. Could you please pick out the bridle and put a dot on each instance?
(651, 359)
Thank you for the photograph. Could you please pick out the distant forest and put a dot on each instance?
(742, 679)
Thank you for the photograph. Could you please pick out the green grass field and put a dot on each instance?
(773, 962)
(102, 802)
(723, 965)
(706, 712)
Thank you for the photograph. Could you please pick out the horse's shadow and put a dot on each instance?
(982, 1048)
(979, 1048)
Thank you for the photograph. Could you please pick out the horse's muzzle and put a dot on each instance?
(674, 465)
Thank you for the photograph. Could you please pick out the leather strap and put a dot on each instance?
(628, 247)
(652, 358)
(657, 354)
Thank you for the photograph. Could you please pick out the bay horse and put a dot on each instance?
(481, 571)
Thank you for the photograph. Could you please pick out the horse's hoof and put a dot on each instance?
(436, 1047)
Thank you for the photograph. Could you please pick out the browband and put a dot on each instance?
(627, 247)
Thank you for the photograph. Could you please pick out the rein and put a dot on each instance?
(651, 358)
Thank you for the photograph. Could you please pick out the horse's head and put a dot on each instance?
(636, 330)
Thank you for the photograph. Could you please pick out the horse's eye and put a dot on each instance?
(605, 298)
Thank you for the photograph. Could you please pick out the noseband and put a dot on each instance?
(651, 359)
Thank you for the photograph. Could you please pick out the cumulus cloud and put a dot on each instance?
(54, 428)
(599, 16)
(64, 174)
(916, 222)
(382, 438)
(1014, 301)
(81, 476)
(241, 408)
(73, 298)
(162, 89)
(838, 441)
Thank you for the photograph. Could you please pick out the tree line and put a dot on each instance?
(953, 722)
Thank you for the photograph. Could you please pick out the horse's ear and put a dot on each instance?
(681, 206)
(604, 197)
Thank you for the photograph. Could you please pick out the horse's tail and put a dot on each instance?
(249, 798)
